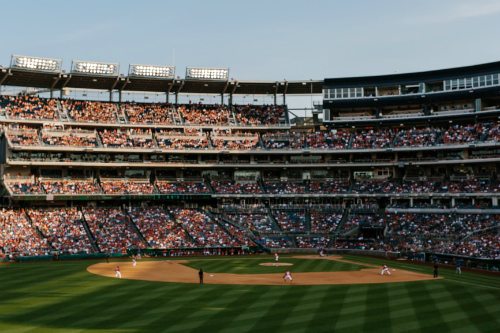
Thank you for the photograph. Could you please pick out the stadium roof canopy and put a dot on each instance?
(415, 77)
(13, 76)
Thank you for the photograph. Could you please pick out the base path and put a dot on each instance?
(175, 271)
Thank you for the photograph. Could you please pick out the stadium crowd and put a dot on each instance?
(72, 137)
(90, 112)
(17, 236)
(198, 114)
(63, 229)
(70, 186)
(255, 222)
(159, 229)
(182, 187)
(149, 113)
(124, 186)
(230, 186)
(38, 231)
(29, 107)
(291, 221)
(25, 187)
(237, 140)
(112, 230)
(203, 230)
(283, 187)
(20, 135)
(255, 115)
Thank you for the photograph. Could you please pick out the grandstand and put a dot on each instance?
(404, 163)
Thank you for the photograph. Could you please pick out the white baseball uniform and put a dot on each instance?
(385, 269)
(118, 274)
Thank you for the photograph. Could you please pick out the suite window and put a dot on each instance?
(495, 78)
(352, 92)
(461, 83)
(489, 80)
(475, 82)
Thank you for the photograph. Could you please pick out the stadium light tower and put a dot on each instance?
(151, 71)
(36, 63)
(207, 73)
(94, 68)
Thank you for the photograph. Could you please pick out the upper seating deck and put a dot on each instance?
(221, 139)
(37, 109)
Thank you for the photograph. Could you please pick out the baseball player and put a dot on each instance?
(276, 259)
(118, 274)
(200, 275)
(385, 269)
(134, 262)
(287, 277)
(458, 267)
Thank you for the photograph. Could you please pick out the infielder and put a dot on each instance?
(276, 259)
(118, 274)
(385, 269)
(287, 277)
(134, 262)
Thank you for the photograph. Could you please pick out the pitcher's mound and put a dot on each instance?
(276, 264)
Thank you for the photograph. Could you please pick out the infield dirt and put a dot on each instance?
(176, 271)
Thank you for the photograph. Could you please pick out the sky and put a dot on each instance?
(258, 39)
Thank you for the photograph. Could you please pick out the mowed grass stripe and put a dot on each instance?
(401, 311)
(143, 310)
(309, 266)
(250, 310)
(474, 310)
(351, 317)
(426, 311)
(129, 308)
(377, 313)
(329, 308)
(231, 307)
(448, 306)
(276, 310)
(70, 311)
(198, 309)
(299, 309)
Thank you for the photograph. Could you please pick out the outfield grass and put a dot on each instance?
(63, 297)
(252, 265)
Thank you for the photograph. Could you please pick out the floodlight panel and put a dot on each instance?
(207, 73)
(36, 63)
(152, 71)
(97, 68)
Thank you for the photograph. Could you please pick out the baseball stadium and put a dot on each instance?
(158, 198)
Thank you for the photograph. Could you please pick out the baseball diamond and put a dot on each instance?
(252, 166)
(176, 271)
(64, 297)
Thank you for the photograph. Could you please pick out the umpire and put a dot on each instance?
(200, 274)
